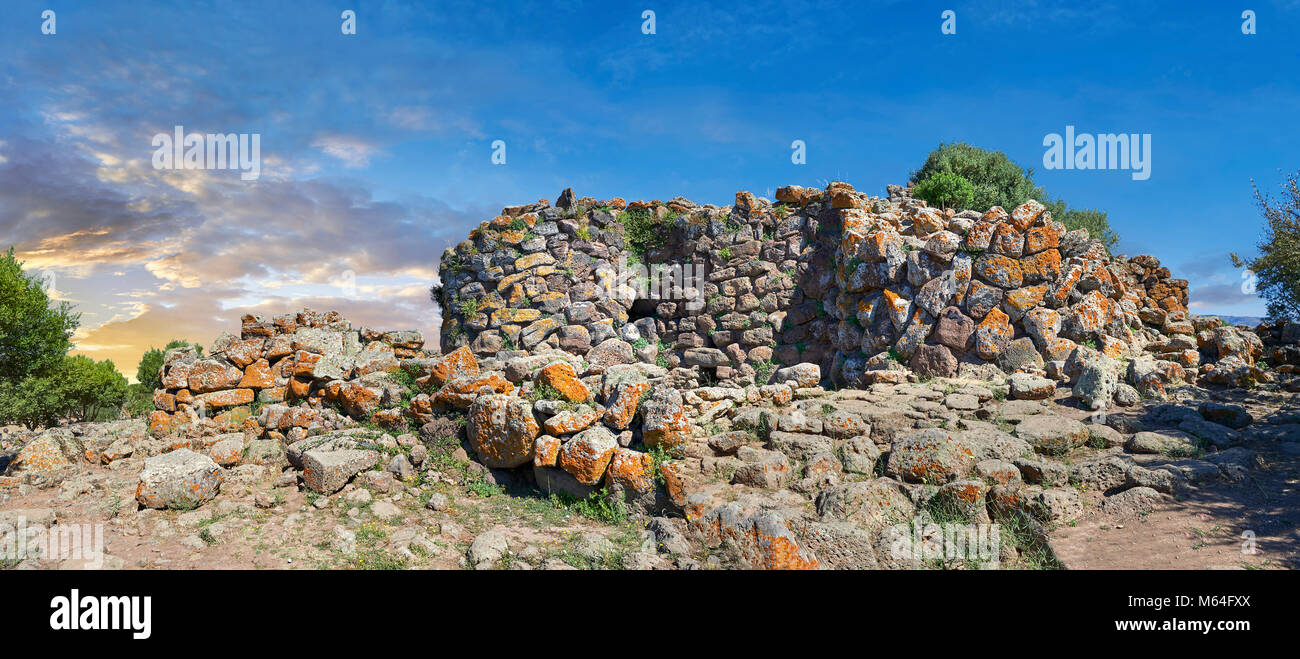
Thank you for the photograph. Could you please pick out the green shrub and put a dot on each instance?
(996, 180)
(1278, 265)
(642, 231)
(946, 190)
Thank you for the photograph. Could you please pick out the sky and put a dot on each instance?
(376, 147)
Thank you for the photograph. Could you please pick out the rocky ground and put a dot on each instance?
(1205, 479)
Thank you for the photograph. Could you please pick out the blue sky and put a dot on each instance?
(376, 147)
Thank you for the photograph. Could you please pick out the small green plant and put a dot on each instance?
(600, 506)
(469, 307)
(544, 391)
(763, 370)
(584, 233)
(642, 230)
(205, 534)
(725, 253)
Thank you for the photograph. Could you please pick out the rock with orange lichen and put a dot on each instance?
(180, 480)
(1026, 214)
(162, 424)
(458, 362)
(676, 485)
(243, 353)
(210, 375)
(568, 422)
(502, 430)
(993, 334)
(762, 541)
(587, 454)
(394, 419)
(46, 459)
(461, 391)
(284, 417)
(1001, 271)
(630, 470)
(376, 357)
(229, 451)
(546, 451)
(358, 400)
(561, 376)
(933, 456)
(223, 399)
(1041, 267)
(257, 375)
(665, 422)
(623, 403)
(164, 401)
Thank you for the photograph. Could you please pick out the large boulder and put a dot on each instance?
(1052, 434)
(180, 479)
(665, 422)
(501, 430)
(326, 472)
(933, 455)
(588, 454)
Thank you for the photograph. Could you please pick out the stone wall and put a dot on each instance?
(857, 284)
(283, 376)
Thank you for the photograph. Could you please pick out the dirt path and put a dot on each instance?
(1211, 527)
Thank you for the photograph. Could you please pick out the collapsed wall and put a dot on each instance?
(857, 284)
(282, 376)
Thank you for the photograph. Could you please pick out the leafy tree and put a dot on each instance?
(34, 401)
(147, 371)
(80, 389)
(946, 190)
(92, 389)
(1278, 264)
(34, 336)
(996, 180)
(139, 401)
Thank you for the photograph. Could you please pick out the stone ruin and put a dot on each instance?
(866, 288)
(285, 376)
(658, 353)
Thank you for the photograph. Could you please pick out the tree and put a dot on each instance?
(34, 401)
(80, 389)
(92, 388)
(996, 180)
(1278, 265)
(34, 336)
(147, 373)
(945, 190)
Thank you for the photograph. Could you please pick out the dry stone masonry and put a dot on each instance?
(865, 288)
(780, 383)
